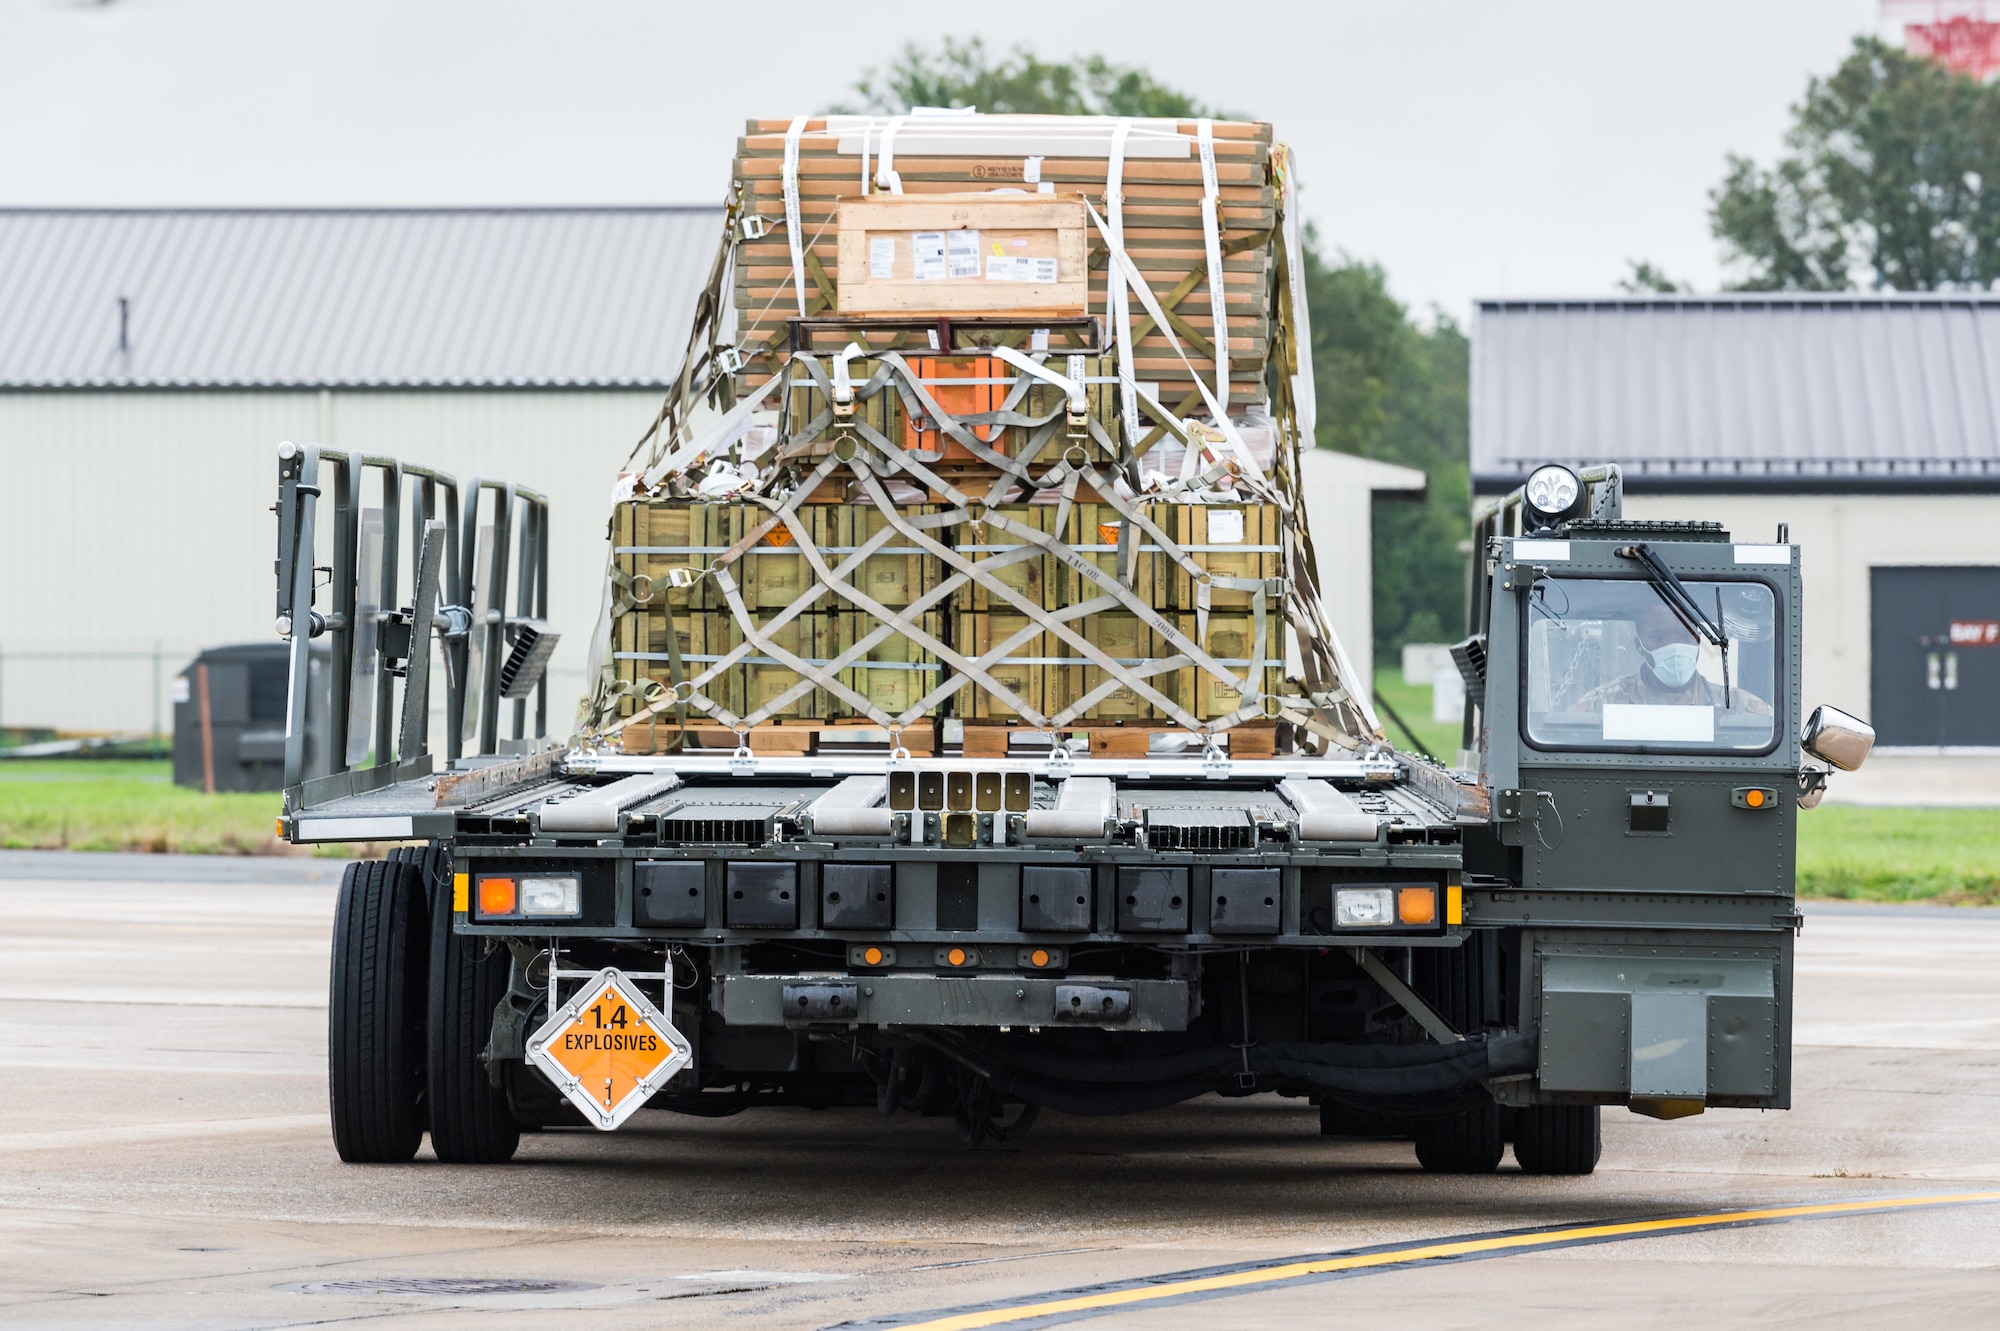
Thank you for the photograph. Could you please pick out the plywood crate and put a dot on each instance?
(899, 572)
(1229, 541)
(1230, 640)
(895, 673)
(1131, 642)
(1093, 532)
(962, 254)
(761, 678)
(987, 543)
(1163, 201)
(1023, 671)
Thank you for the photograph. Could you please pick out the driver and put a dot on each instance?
(1667, 677)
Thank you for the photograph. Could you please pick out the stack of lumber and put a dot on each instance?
(1162, 215)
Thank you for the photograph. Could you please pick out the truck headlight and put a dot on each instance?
(549, 896)
(1360, 907)
(1553, 494)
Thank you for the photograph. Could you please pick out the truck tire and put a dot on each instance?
(1558, 1139)
(1466, 1142)
(375, 1013)
(470, 1121)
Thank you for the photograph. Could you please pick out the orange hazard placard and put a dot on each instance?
(608, 1049)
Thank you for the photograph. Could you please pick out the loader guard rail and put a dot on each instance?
(454, 570)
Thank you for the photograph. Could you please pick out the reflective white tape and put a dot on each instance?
(354, 829)
(1764, 554)
(1211, 235)
(1554, 551)
(792, 226)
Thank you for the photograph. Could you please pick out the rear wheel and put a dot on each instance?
(375, 1013)
(1558, 1139)
(469, 1117)
(1466, 1142)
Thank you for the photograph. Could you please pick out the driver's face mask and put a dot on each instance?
(1674, 663)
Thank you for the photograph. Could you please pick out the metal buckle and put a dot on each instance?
(755, 227)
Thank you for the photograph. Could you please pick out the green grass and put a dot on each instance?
(1413, 703)
(119, 804)
(1948, 856)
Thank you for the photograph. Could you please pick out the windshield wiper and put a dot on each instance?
(1681, 601)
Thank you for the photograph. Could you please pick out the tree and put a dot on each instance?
(1891, 176)
(965, 73)
(1642, 275)
(1387, 388)
(1391, 390)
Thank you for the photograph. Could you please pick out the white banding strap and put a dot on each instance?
(1218, 410)
(1305, 398)
(1211, 235)
(849, 809)
(843, 378)
(1070, 387)
(1325, 814)
(867, 181)
(1117, 301)
(885, 174)
(792, 225)
(1083, 807)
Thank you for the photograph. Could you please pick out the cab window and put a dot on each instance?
(1610, 665)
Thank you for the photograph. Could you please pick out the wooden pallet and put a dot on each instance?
(1254, 740)
(774, 738)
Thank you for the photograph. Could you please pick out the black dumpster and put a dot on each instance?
(229, 717)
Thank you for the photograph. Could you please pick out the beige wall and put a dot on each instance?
(1340, 491)
(134, 519)
(1840, 538)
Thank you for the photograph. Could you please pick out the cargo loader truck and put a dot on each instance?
(962, 734)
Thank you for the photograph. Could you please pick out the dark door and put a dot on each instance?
(1936, 641)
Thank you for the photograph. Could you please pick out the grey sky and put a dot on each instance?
(1472, 148)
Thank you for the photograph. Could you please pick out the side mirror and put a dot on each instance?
(1834, 737)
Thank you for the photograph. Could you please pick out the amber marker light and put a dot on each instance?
(496, 896)
(1039, 956)
(873, 956)
(1755, 799)
(956, 956)
(1416, 905)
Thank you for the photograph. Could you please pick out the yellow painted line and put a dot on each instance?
(1270, 1275)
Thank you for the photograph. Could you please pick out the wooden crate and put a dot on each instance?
(1024, 670)
(895, 673)
(897, 573)
(986, 543)
(1229, 541)
(1162, 208)
(1229, 640)
(962, 254)
(1093, 532)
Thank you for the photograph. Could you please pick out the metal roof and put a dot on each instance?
(350, 297)
(1745, 391)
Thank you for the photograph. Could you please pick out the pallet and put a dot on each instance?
(1255, 740)
(772, 739)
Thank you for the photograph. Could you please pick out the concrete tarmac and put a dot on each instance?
(165, 1161)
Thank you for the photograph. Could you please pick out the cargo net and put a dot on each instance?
(1005, 527)
(887, 559)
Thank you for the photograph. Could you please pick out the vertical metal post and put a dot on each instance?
(455, 578)
(304, 492)
(542, 613)
(340, 646)
(385, 683)
(496, 631)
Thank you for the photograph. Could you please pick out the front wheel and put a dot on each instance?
(471, 1123)
(1558, 1139)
